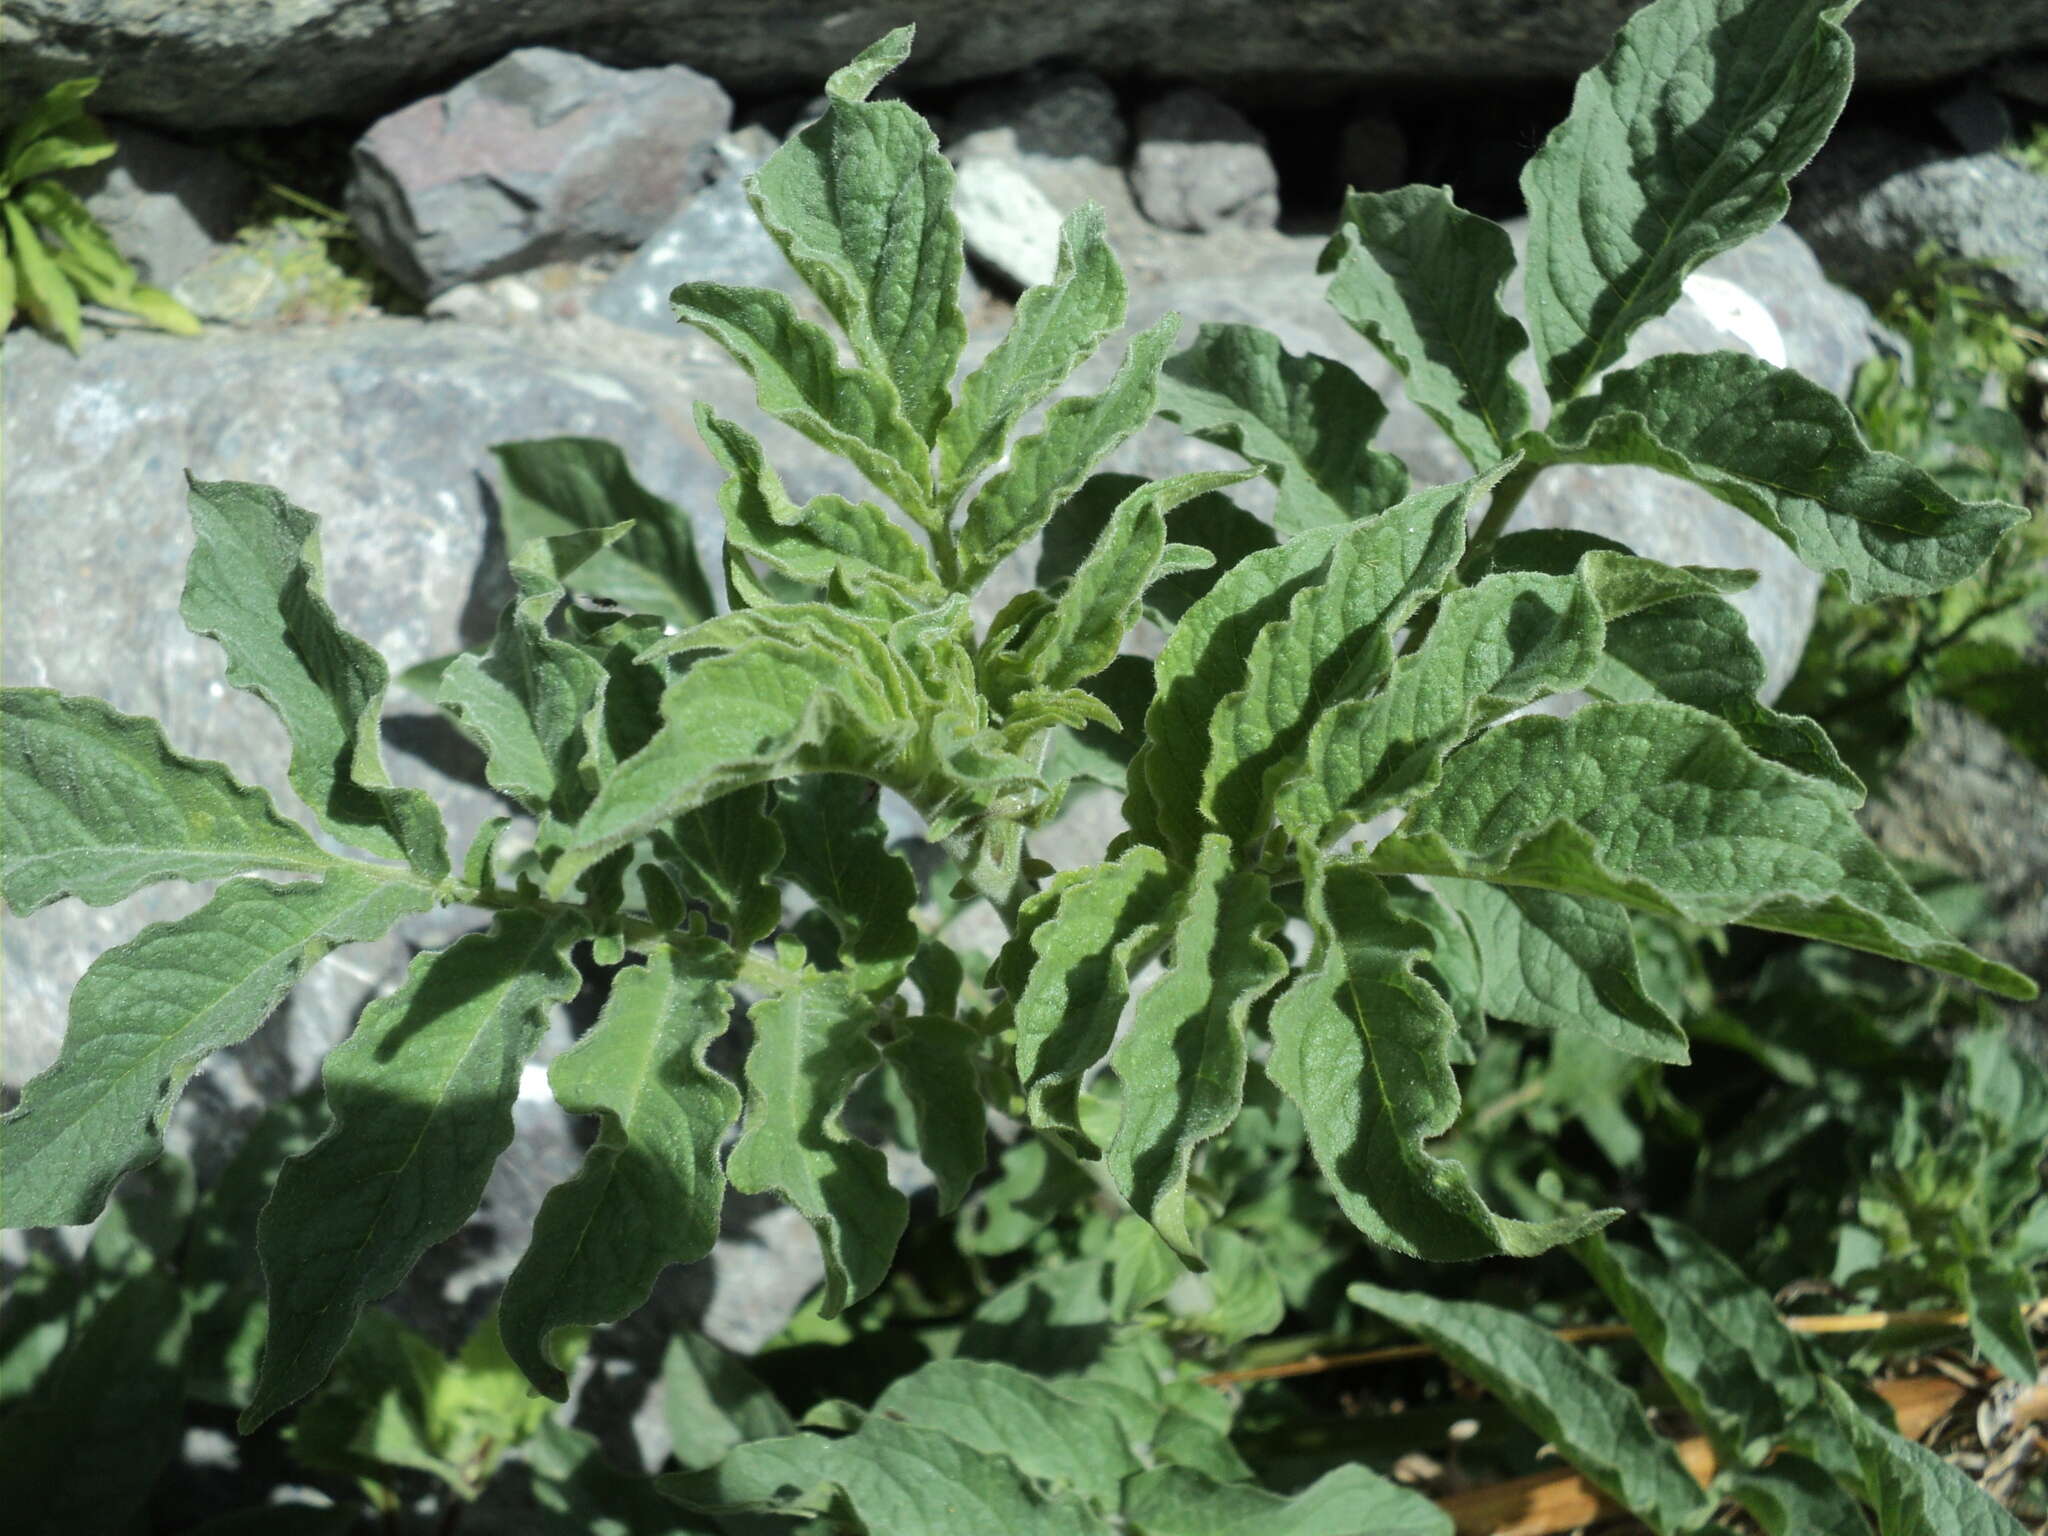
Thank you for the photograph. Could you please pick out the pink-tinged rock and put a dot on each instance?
(544, 156)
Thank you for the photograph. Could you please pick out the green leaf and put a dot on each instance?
(99, 805)
(809, 543)
(1779, 447)
(1334, 642)
(1069, 1443)
(1665, 810)
(1678, 147)
(1592, 1419)
(1794, 1497)
(421, 1098)
(1057, 326)
(800, 381)
(650, 1189)
(83, 1450)
(725, 855)
(44, 292)
(934, 1059)
(836, 847)
(1306, 422)
(1102, 601)
(1049, 466)
(55, 135)
(1182, 1065)
(525, 701)
(1363, 1046)
(2004, 688)
(10, 286)
(1511, 639)
(1085, 933)
(559, 485)
(1350, 1501)
(810, 1047)
(1997, 1296)
(1712, 1334)
(1420, 278)
(861, 204)
(1563, 963)
(1912, 1490)
(146, 1015)
(713, 1402)
(254, 584)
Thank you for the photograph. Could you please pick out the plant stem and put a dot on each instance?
(1506, 497)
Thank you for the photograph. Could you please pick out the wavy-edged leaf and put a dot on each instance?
(1085, 932)
(254, 584)
(84, 1449)
(810, 1047)
(525, 700)
(1512, 638)
(558, 485)
(1349, 1501)
(1363, 1046)
(1048, 467)
(650, 1189)
(1678, 147)
(1306, 422)
(99, 805)
(1664, 809)
(1775, 445)
(725, 855)
(1563, 963)
(1069, 1442)
(827, 533)
(1912, 1490)
(1420, 278)
(1057, 326)
(1716, 1339)
(836, 847)
(1593, 1420)
(145, 1015)
(800, 381)
(421, 1098)
(1182, 1065)
(861, 203)
(934, 1060)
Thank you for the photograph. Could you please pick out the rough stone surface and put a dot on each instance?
(166, 206)
(1065, 115)
(1873, 198)
(1200, 165)
(1005, 221)
(543, 156)
(210, 65)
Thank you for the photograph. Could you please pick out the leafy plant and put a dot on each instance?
(53, 252)
(1315, 991)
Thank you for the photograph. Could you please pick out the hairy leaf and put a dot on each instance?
(1678, 147)
(713, 1402)
(421, 1098)
(99, 805)
(934, 1060)
(1350, 1501)
(254, 584)
(1306, 422)
(559, 485)
(650, 1189)
(146, 1015)
(836, 846)
(1794, 1497)
(810, 1047)
(1363, 1046)
(1047, 467)
(1664, 809)
(1592, 1419)
(1911, 1489)
(1057, 327)
(1182, 1065)
(725, 854)
(1779, 447)
(1420, 278)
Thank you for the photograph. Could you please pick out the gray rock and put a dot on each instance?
(205, 66)
(2022, 79)
(1976, 119)
(275, 275)
(1005, 221)
(1069, 115)
(166, 206)
(541, 157)
(1200, 165)
(1874, 198)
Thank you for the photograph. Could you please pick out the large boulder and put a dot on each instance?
(209, 66)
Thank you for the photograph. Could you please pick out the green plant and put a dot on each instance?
(52, 251)
(1363, 655)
